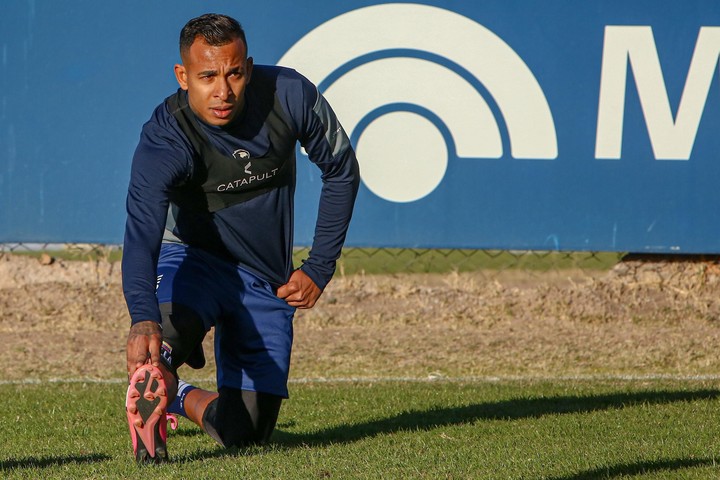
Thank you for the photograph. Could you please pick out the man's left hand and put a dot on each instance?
(300, 291)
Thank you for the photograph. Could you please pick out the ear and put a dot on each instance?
(181, 76)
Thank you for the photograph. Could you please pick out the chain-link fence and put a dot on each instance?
(382, 260)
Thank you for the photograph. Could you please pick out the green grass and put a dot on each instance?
(409, 260)
(562, 430)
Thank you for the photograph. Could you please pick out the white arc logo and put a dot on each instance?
(423, 81)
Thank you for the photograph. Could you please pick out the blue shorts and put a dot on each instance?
(253, 327)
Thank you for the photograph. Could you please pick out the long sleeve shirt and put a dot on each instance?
(257, 232)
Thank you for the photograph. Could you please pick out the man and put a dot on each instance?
(208, 240)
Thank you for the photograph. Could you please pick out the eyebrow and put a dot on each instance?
(208, 73)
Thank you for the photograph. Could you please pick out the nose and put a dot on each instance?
(222, 88)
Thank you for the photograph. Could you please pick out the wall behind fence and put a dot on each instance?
(502, 124)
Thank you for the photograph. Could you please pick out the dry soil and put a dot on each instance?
(67, 319)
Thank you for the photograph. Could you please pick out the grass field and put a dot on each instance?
(514, 429)
(590, 418)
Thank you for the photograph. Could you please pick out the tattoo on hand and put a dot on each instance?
(144, 329)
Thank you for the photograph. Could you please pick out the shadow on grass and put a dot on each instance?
(415, 420)
(52, 461)
(217, 452)
(639, 468)
(503, 410)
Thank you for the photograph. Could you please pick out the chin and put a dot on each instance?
(218, 122)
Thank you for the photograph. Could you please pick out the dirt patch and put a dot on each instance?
(68, 319)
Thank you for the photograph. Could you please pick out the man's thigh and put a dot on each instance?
(253, 342)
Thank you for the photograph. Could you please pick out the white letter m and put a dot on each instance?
(671, 139)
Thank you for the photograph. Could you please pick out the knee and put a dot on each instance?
(237, 419)
(239, 428)
(239, 436)
(233, 430)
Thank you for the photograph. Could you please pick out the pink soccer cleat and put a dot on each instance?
(146, 405)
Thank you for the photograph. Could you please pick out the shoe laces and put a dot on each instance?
(172, 421)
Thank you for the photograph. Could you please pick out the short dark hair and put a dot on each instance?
(216, 30)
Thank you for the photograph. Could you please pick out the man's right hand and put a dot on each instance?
(143, 341)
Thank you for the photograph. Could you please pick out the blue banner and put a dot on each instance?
(509, 124)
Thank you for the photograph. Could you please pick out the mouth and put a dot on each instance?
(222, 112)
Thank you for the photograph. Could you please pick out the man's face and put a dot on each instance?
(215, 78)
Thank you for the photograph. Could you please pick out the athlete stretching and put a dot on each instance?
(208, 240)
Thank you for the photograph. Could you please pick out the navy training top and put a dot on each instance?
(256, 231)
